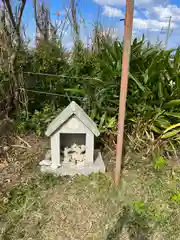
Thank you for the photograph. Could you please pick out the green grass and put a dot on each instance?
(145, 206)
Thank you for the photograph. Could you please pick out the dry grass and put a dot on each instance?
(23, 155)
(145, 206)
(79, 208)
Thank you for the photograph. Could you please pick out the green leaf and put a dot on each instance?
(172, 103)
(172, 127)
(137, 82)
(119, 66)
(75, 90)
(93, 114)
(132, 119)
(177, 139)
(158, 114)
(176, 197)
(111, 122)
(160, 162)
(155, 129)
(160, 89)
(140, 207)
(172, 114)
(170, 134)
(146, 77)
(102, 121)
(162, 123)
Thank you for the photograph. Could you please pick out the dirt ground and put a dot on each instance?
(34, 206)
(19, 155)
(70, 209)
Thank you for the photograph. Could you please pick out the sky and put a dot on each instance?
(151, 17)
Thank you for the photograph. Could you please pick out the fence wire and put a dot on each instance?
(64, 76)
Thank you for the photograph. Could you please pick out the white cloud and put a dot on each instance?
(140, 23)
(165, 12)
(114, 33)
(112, 12)
(150, 16)
(152, 25)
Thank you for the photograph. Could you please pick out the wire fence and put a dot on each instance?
(63, 76)
(54, 94)
(60, 76)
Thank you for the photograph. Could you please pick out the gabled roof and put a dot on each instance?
(72, 109)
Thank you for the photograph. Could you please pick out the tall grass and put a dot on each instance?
(91, 75)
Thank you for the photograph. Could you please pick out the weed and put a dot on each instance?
(176, 197)
(37, 121)
(159, 162)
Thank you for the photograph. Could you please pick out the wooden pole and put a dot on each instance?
(124, 85)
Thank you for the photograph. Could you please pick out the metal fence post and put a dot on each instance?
(124, 85)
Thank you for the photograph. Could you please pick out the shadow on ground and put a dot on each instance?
(136, 226)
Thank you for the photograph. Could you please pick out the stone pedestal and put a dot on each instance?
(71, 170)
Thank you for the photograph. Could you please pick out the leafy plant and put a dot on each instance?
(159, 162)
(37, 121)
(176, 197)
(140, 207)
(90, 75)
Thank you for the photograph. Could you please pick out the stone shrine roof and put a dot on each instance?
(72, 109)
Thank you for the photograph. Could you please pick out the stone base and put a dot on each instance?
(69, 170)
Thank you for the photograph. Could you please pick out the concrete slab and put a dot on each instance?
(71, 170)
(45, 163)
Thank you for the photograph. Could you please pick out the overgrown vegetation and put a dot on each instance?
(90, 75)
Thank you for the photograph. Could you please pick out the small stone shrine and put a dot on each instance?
(72, 144)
